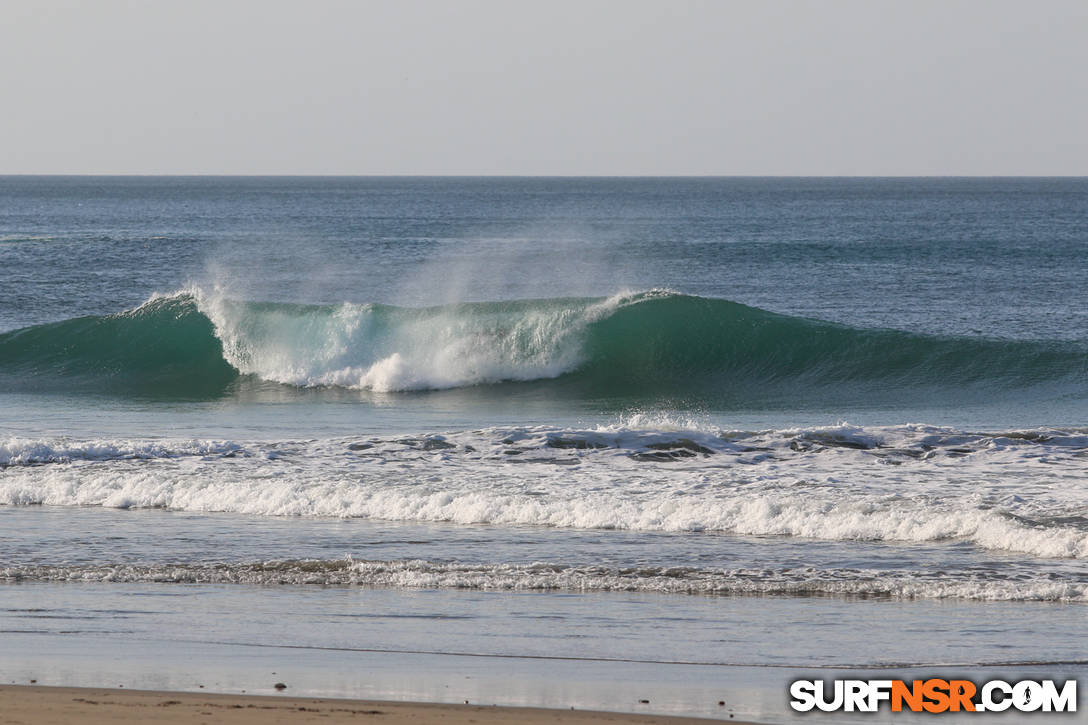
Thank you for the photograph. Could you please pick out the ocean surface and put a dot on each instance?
(743, 425)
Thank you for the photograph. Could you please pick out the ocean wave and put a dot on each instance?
(546, 576)
(913, 484)
(40, 451)
(656, 342)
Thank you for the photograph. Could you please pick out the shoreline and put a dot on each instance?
(45, 705)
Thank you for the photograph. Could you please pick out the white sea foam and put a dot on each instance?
(359, 346)
(34, 451)
(1016, 491)
(545, 576)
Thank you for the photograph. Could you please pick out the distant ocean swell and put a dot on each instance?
(191, 343)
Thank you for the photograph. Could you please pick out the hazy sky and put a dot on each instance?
(545, 87)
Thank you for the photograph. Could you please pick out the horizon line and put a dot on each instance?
(546, 176)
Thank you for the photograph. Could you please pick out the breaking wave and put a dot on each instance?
(546, 576)
(656, 342)
(912, 484)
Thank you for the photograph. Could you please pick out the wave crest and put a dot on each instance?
(641, 344)
(547, 576)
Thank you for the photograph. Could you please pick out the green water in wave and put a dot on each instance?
(650, 344)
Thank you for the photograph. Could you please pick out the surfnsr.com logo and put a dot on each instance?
(934, 695)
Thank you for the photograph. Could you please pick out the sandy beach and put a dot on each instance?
(24, 705)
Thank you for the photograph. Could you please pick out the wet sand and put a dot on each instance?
(34, 705)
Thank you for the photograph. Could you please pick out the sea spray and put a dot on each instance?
(626, 346)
